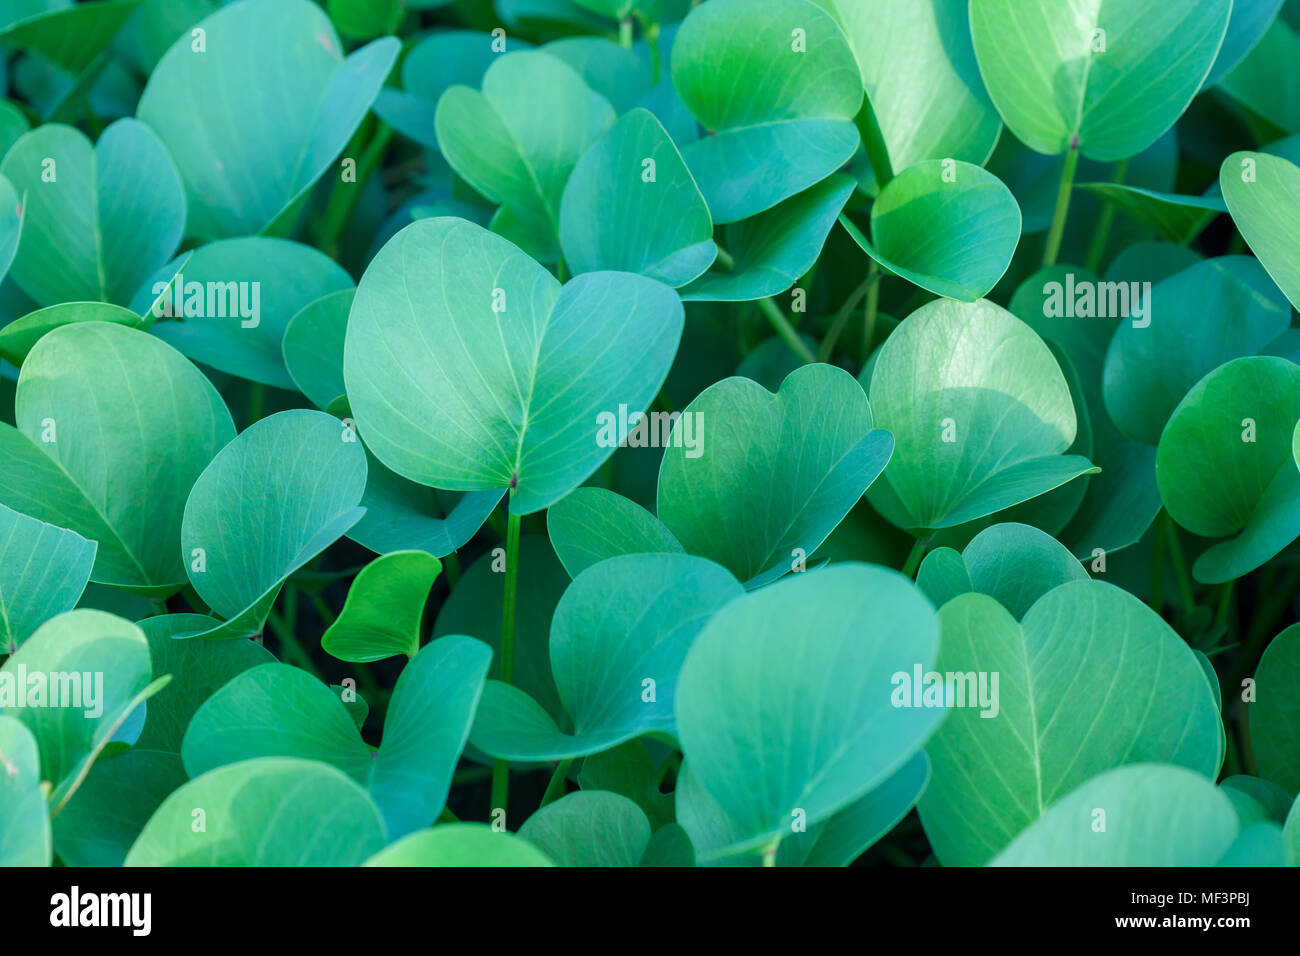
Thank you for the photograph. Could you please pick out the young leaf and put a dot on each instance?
(589, 828)
(1263, 194)
(791, 89)
(591, 524)
(772, 475)
(313, 347)
(24, 816)
(269, 502)
(1175, 217)
(385, 606)
(98, 434)
(43, 571)
(548, 361)
(1275, 714)
(1110, 76)
(20, 336)
(246, 157)
(459, 844)
(265, 812)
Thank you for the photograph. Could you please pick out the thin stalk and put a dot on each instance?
(344, 196)
(872, 311)
(256, 402)
(625, 33)
(1097, 248)
(873, 142)
(914, 558)
(827, 349)
(470, 775)
(1053, 247)
(784, 329)
(1225, 603)
(555, 789)
(501, 768)
(447, 816)
(769, 852)
(1179, 561)
(725, 260)
(451, 564)
(1158, 568)
(290, 646)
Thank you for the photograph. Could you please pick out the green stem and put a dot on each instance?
(1053, 246)
(827, 349)
(290, 646)
(1158, 568)
(555, 789)
(1179, 561)
(625, 33)
(344, 195)
(873, 141)
(447, 816)
(769, 852)
(786, 330)
(256, 402)
(1097, 248)
(501, 768)
(725, 260)
(451, 564)
(914, 558)
(327, 615)
(1225, 603)
(872, 311)
(470, 775)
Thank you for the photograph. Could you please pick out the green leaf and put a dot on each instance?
(460, 844)
(70, 37)
(20, 336)
(949, 227)
(24, 817)
(518, 140)
(1263, 194)
(1012, 563)
(1259, 844)
(549, 362)
(618, 638)
(1226, 466)
(770, 476)
(246, 157)
(591, 524)
(11, 211)
(1291, 833)
(313, 347)
(1112, 77)
(1191, 323)
(366, 19)
(772, 250)
(980, 413)
(923, 83)
(1263, 83)
(782, 108)
(1272, 799)
(1154, 816)
(783, 703)
(629, 770)
(589, 828)
(97, 221)
(631, 206)
(109, 417)
(1275, 713)
(43, 572)
(1093, 678)
(1248, 24)
(381, 617)
(1174, 217)
(217, 314)
(280, 711)
(91, 671)
(272, 811)
(270, 501)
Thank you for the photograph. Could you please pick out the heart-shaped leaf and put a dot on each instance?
(1192, 322)
(24, 816)
(313, 347)
(20, 336)
(43, 571)
(269, 502)
(919, 70)
(772, 250)
(97, 221)
(1154, 815)
(1014, 564)
(618, 638)
(589, 828)
(1079, 673)
(1111, 77)
(518, 140)
(216, 313)
(1275, 713)
(97, 430)
(1226, 464)
(280, 711)
(460, 844)
(592, 524)
(947, 226)
(74, 683)
(385, 606)
(979, 411)
(631, 206)
(246, 157)
(548, 361)
(1263, 194)
(782, 109)
(783, 704)
(265, 812)
(770, 476)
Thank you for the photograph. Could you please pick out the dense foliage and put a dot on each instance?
(649, 432)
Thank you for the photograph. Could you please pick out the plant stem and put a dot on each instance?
(769, 852)
(447, 816)
(1158, 567)
(290, 646)
(256, 402)
(1176, 556)
(470, 775)
(1053, 247)
(1097, 248)
(555, 789)
(625, 33)
(914, 558)
(451, 564)
(827, 349)
(786, 330)
(873, 141)
(501, 768)
(725, 260)
(344, 196)
(873, 310)
(1225, 603)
